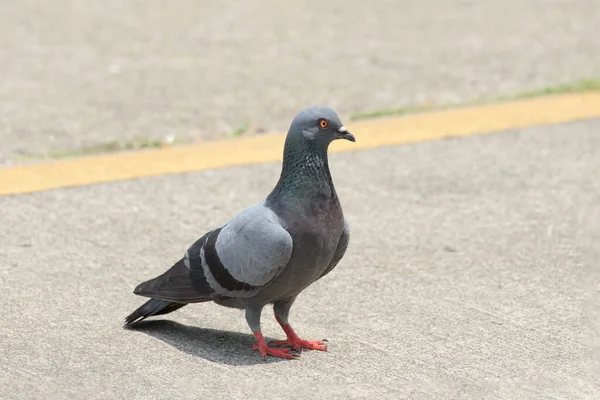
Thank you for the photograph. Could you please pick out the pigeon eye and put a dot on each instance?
(323, 123)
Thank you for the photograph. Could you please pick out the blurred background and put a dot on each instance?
(82, 76)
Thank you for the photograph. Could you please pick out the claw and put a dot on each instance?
(281, 353)
(299, 344)
(264, 350)
(295, 342)
(285, 343)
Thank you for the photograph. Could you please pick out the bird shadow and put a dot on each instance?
(231, 348)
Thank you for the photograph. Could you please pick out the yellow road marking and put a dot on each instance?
(267, 148)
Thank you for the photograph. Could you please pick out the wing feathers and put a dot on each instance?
(220, 274)
(254, 247)
(235, 260)
(178, 284)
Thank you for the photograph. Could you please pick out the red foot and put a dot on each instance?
(295, 342)
(264, 349)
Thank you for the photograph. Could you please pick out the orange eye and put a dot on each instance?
(323, 123)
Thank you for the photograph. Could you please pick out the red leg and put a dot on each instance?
(264, 349)
(295, 342)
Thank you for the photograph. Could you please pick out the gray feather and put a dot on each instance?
(340, 249)
(253, 247)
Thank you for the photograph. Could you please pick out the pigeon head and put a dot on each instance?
(305, 171)
(319, 124)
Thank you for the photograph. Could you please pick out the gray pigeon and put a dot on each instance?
(271, 251)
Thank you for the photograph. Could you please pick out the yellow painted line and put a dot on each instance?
(267, 148)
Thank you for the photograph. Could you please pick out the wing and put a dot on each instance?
(184, 282)
(340, 250)
(246, 253)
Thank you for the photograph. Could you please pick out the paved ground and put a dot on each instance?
(80, 73)
(470, 275)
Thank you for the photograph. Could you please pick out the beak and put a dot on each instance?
(344, 134)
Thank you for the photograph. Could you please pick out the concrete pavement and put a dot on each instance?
(471, 274)
(85, 73)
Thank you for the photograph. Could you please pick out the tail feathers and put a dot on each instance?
(150, 308)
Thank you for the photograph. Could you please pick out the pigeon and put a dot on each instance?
(271, 251)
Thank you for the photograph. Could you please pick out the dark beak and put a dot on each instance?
(344, 134)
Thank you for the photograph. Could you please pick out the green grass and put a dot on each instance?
(99, 148)
(396, 111)
(584, 85)
(240, 130)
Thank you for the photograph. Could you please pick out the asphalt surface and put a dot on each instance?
(85, 73)
(471, 274)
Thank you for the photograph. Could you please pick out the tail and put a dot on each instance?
(150, 308)
(179, 285)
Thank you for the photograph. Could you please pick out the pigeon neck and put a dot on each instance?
(305, 174)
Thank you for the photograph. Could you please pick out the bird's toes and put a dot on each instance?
(275, 352)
